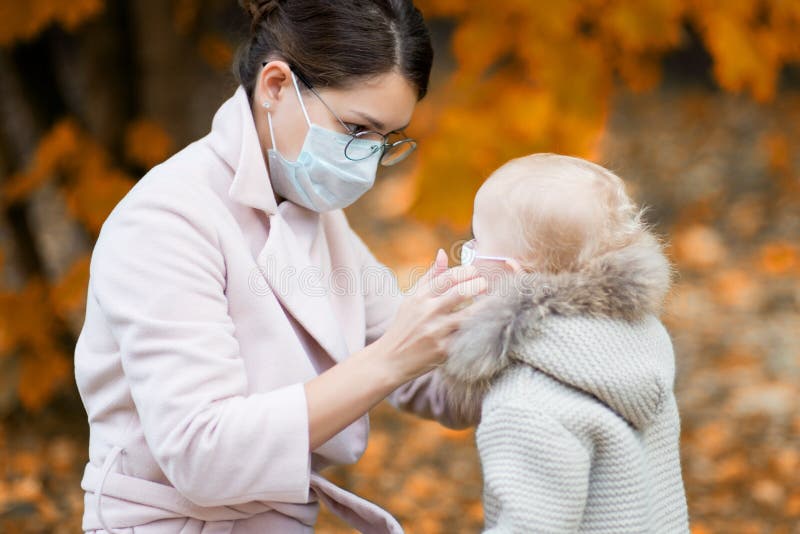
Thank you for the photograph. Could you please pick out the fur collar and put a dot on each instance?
(626, 284)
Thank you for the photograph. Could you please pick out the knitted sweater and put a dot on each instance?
(579, 427)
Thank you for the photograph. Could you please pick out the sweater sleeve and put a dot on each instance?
(159, 277)
(425, 396)
(536, 472)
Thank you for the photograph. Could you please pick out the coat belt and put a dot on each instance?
(152, 500)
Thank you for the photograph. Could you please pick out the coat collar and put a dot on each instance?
(515, 325)
(235, 140)
(296, 250)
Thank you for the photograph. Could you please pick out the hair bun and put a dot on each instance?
(259, 9)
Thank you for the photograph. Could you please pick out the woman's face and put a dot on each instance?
(383, 103)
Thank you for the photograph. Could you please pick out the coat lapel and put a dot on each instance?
(298, 284)
(346, 278)
(284, 261)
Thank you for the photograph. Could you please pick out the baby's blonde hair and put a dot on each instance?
(563, 211)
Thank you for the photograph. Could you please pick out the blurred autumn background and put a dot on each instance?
(695, 103)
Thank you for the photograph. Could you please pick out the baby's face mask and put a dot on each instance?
(469, 254)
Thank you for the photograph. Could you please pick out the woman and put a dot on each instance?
(237, 331)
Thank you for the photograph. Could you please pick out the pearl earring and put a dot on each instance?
(266, 104)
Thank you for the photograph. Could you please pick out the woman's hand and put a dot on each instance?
(414, 343)
(417, 340)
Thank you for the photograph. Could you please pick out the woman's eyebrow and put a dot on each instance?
(375, 123)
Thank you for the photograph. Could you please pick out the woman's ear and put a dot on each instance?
(273, 82)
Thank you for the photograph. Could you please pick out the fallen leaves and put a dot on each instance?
(699, 247)
(779, 258)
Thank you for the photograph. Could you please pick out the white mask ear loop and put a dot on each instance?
(271, 132)
(300, 98)
(302, 106)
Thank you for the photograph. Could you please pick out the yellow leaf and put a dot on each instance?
(779, 154)
(216, 51)
(779, 258)
(68, 295)
(92, 197)
(644, 24)
(59, 145)
(184, 15)
(736, 289)
(146, 143)
(746, 57)
(23, 20)
(477, 45)
(42, 371)
(699, 247)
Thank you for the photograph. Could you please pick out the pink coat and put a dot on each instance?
(208, 307)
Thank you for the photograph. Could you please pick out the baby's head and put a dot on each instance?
(553, 213)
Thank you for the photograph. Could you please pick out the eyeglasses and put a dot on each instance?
(469, 254)
(393, 149)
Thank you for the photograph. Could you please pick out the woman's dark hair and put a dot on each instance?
(331, 43)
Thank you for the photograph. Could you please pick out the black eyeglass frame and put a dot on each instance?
(385, 146)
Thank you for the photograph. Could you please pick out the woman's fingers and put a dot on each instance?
(439, 266)
(440, 263)
(462, 291)
(443, 282)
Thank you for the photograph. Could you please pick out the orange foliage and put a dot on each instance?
(68, 295)
(526, 76)
(30, 318)
(55, 149)
(91, 184)
(545, 72)
(185, 14)
(216, 51)
(749, 40)
(404, 469)
(146, 143)
(735, 288)
(793, 506)
(746, 216)
(779, 258)
(778, 152)
(23, 20)
(698, 246)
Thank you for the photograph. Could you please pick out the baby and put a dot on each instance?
(579, 428)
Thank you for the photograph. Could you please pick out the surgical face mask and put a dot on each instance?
(322, 178)
(469, 254)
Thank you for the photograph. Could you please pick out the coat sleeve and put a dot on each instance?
(535, 471)
(425, 396)
(159, 277)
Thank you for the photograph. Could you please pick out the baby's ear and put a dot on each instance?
(514, 265)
